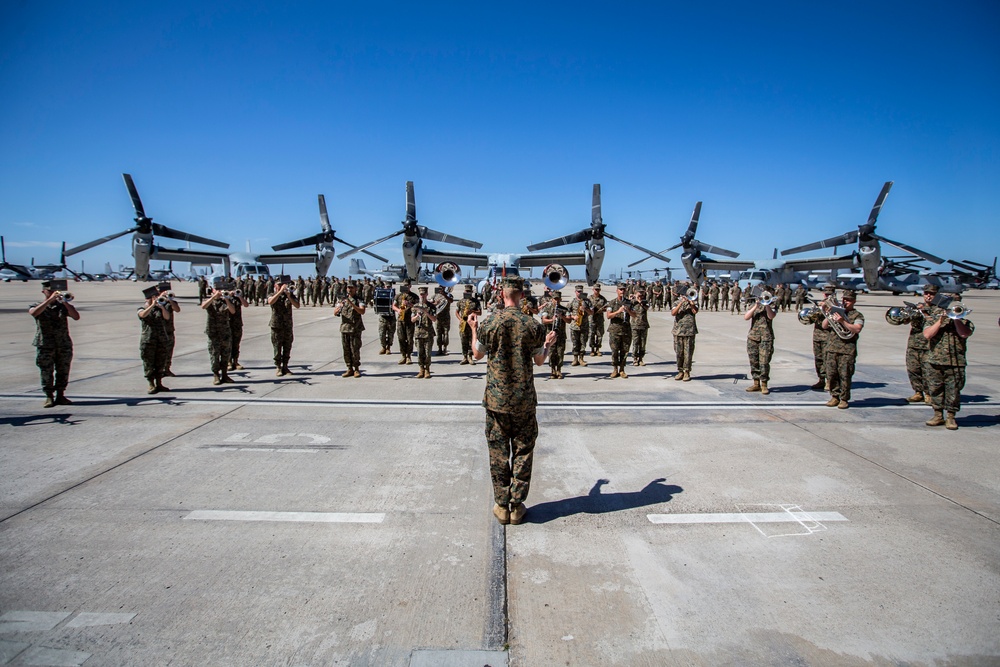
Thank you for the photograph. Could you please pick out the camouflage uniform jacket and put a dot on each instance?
(218, 318)
(947, 348)
(281, 313)
(838, 345)
(351, 320)
(685, 324)
(408, 298)
(52, 326)
(574, 308)
(153, 326)
(617, 321)
(423, 327)
(761, 326)
(598, 303)
(558, 324)
(466, 307)
(916, 341)
(641, 319)
(510, 339)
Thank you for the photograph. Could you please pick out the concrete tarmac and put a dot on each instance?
(319, 520)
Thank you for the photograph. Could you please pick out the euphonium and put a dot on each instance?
(830, 306)
(765, 298)
(692, 295)
(807, 314)
(901, 314)
(957, 311)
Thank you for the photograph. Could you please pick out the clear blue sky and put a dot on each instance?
(784, 118)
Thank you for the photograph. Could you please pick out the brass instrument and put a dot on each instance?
(238, 293)
(447, 274)
(957, 311)
(830, 307)
(807, 314)
(691, 295)
(65, 297)
(463, 315)
(765, 298)
(581, 312)
(404, 310)
(901, 314)
(163, 302)
(555, 276)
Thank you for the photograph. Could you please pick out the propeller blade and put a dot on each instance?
(163, 230)
(363, 247)
(134, 194)
(309, 240)
(878, 203)
(908, 248)
(3, 250)
(595, 208)
(433, 235)
(844, 239)
(351, 245)
(638, 247)
(103, 239)
(714, 250)
(639, 261)
(964, 265)
(576, 237)
(411, 206)
(324, 219)
(693, 225)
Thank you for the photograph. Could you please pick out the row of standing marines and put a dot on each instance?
(935, 354)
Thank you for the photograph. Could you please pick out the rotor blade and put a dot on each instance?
(595, 207)
(714, 250)
(163, 230)
(639, 261)
(351, 245)
(576, 237)
(309, 240)
(873, 216)
(433, 235)
(965, 265)
(411, 206)
(693, 225)
(365, 246)
(844, 239)
(908, 248)
(638, 247)
(103, 239)
(324, 219)
(134, 194)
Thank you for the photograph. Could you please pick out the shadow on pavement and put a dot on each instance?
(596, 502)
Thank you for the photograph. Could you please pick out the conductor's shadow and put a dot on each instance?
(596, 502)
(37, 420)
(979, 421)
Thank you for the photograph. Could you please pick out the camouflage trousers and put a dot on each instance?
(424, 346)
(725, 302)
(580, 338)
(684, 349)
(639, 343)
(154, 358)
(916, 362)
(281, 341)
(944, 384)
(404, 332)
(466, 338)
(597, 334)
(352, 349)
(557, 352)
(386, 331)
(714, 303)
(839, 372)
(619, 338)
(53, 365)
(170, 352)
(236, 337)
(819, 357)
(443, 330)
(760, 353)
(511, 441)
(220, 352)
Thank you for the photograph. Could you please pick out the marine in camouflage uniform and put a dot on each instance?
(512, 341)
(53, 345)
(282, 300)
(218, 327)
(684, 331)
(724, 296)
(760, 345)
(618, 311)
(581, 312)
(713, 297)
(737, 295)
(467, 306)
(554, 317)
(423, 319)
(820, 336)
(944, 373)
(164, 289)
(640, 328)
(153, 340)
(598, 303)
(386, 330)
(841, 353)
(236, 330)
(350, 309)
(443, 324)
(404, 326)
(260, 294)
(918, 348)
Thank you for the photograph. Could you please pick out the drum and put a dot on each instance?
(384, 296)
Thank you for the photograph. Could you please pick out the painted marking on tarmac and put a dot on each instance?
(89, 619)
(295, 517)
(804, 523)
(31, 621)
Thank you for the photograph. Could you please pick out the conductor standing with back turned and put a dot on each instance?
(513, 341)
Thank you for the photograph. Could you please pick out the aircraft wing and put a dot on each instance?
(820, 263)
(460, 258)
(543, 259)
(289, 258)
(724, 265)
(186, 255)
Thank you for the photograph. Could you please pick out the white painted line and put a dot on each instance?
(89, 619)
(298, 517)
(53, 657)
(31, 621)
(747, 517)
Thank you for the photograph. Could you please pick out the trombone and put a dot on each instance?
(957, 311)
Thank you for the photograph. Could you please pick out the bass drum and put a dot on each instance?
(384, 296)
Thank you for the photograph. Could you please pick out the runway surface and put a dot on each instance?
(318, 520)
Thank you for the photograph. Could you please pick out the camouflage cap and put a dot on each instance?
(422, 289)
(217, 283)
(150, 292)
(579, 288)
(829, 289)
(407, 283)
(850, 294)
(513, 282)
(930, 289)
(439, 289)
(557, 294)
(468, 288)
(597, 287)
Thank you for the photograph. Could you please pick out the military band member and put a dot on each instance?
(260, 293)
(469, 305)
(619, 311)
(640, 328)
(842, 353)
(945, 369)
(918, 349)
(164, 292)
(598, 303)
(512, 341)
(820, 336)
(386, 330)
(657, 301)
(53, 345)
(579, 327)
(760, 344)
(350, 309)
(239, 301)
(684, 331)
(441, 303)
(154, 338)
(529, 302)
(282, 301)
(423, 320)
(555, 317)
(220, 309)
(405, 300)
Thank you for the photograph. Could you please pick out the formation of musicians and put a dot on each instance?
(418, 323)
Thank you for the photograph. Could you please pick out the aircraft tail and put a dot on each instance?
(358, 267)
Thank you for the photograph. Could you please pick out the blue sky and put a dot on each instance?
(784, 118)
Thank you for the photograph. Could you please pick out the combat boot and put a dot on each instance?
(936, 420)
(833, 402)
(755, 386)
(464, 361)
(409, 359)
(687, 376)
(576, 360)
(950, 422)
(382, 351)
(642, 362)
(559, 375)
(226, 379)
(357, 372)
(159, 385)
(218, 380)
(583, 362)
(348, 373)
(402, 359)
(427, 373)
(237, 366)
(763, 388)
(278, 372)
(502, 514)
(679, 376)
(927, 399)
(420, 374)
(843, 405)
(918, 397)
(61, 398)
(622, 373)
(517, 512)
(50, 402)
(152, 388)
(818, 386)
(472, 360)
(285, 370)
(614, 372)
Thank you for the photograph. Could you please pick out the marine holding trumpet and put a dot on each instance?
(760, 340)
(166, 293)
(54, 347)
(282, 301)
(619, 313)
(220, 309)
(917, 347)
(154, 339)
(555, 317)
(350, 309)
(469, 305)
(239, 301)
(423, 316)
(684, 331)
(946, 331)
(841, 348)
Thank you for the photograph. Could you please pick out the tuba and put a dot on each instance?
(447, 274)
(555, 276)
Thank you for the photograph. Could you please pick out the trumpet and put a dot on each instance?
(901, 314)
(65, 297)
(957, 311)
(238, 293)
(163, 302)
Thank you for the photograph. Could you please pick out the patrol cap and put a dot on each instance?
(513, 282)
(439, 290)
(579, 288)
(850, 294)
(54, 285)
(468, 288)
(622, 285)
(151, 292)
(422, 289)
(930, 289)
(557, 294)
(597, 286)
(407, 283)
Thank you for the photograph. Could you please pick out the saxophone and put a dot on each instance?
(463, 315)
(580, 313)
(404, 310)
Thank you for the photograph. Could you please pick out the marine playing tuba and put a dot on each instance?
(555, 276)
(447, 274)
